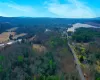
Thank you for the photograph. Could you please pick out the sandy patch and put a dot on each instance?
(39, 48)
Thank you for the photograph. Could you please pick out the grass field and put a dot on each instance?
(5, 36)
(39, 48)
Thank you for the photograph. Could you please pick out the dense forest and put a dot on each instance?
(86, 34)
(4, 27)
(46, 21)
(24, 61)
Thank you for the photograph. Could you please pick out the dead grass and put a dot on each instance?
(39, 48)
(5, 36)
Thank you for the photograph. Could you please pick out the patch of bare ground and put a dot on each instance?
(39, 48)
(5, 36)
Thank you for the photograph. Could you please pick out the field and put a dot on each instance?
(39, 48)
(5, 36)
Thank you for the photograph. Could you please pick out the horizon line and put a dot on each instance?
(45, 17)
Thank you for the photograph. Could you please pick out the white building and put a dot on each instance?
(1, 45)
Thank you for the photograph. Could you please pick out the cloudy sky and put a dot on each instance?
(50, 8)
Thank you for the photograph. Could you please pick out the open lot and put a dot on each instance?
(5, 36)
(39, 48)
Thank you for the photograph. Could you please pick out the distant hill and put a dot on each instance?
(98, 18)
(4, 26)
(44, 20)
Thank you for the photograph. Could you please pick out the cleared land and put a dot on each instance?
(5, 36)
(39, 48)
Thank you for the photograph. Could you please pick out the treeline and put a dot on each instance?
(43, 21)
(5, 26)
(86, 34)
(31, 30)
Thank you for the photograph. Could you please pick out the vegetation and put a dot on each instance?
(86, 34)
(24, 61)
(21, 62)
(88, 51)
(4, 27)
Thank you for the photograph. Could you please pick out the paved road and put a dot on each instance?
(76, 61)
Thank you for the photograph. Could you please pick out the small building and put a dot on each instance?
(1, 45)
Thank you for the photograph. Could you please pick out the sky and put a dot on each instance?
(50, 8)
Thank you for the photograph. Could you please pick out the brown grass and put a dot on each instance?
(39, 48)
(5, 36)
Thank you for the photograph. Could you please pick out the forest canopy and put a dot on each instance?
(86, 34)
